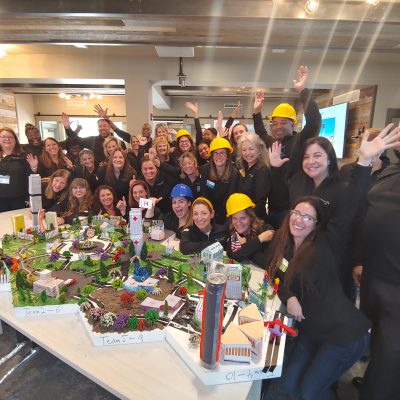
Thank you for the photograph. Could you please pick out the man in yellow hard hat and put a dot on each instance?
(282, 121)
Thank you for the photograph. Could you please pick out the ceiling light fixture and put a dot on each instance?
(181, 76)
(3, 53)
(372, 2)
(311, 6)
(80, 46)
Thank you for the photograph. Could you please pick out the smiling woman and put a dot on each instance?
(52, 158)
(203, 231)
(118, 173)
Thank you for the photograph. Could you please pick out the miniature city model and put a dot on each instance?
(128, 289)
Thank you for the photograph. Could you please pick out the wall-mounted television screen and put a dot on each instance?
(333, 126)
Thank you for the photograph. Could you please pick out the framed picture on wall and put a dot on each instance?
(8, 110)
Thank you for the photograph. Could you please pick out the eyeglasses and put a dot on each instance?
(219, 153)
(305, 217)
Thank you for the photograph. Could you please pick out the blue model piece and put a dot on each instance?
(140, 273)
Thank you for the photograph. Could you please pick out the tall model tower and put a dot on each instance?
(136, 228)
(35, 198)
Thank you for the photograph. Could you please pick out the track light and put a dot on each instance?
(311, 6)
(181, 76)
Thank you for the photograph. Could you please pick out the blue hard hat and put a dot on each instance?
(181, 190)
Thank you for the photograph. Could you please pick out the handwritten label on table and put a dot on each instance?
(245, 375)
(45, 310)
(128, 338)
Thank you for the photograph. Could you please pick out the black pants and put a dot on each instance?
(381, 303)
(12, 203)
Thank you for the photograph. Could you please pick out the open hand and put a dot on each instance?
(386, 139)
(302, 74)
(258, 101)
(274, 153)
(100, 111)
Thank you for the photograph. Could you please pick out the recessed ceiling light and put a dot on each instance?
(80, 46)
(372, 2)
(279, 51)
(311, 6)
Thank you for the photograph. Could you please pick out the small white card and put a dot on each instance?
(146, 203)
(5, 179)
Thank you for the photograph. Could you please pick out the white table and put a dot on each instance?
(145, 371)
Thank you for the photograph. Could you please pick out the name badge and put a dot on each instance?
(210, 184)
(284, 265)
(5, 179)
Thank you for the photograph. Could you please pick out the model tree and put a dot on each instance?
(132, 251)
(43, 296)
(151, 317)
(90, 217)
(141, 325)
(62, 298)
(180, 272)
(143, 253)
(149, 267)
(141, 294)
(165, 311)
(171, 276)
(103, 270)
(21, 279)
(133, 322)
(126, 298)
(190, 280)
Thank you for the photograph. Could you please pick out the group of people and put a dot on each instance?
(317, 231)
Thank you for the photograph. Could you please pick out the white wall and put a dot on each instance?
(25, 113)
(276, 71)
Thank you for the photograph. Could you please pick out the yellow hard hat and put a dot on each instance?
(220, 143)
(284, 110)
(182, 132)
(238, 202)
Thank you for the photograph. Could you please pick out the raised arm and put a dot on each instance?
(67, 125)
(259, 127)
(310, 107)
(102, 113)
(194, 108)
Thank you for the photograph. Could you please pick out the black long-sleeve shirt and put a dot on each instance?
(292, 147)
(14, 172)
(95, 143)
(193, 240)
(381, 228)
(217, 191)
(329, 315)
(256, 183)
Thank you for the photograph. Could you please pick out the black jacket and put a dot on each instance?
(292, 147)
(381, 228)
(194, 241)
(218, 191)
(329, 315)
(162, 188)
(18, 169)
(256, 183)
(120, 185)
(95, 143)
(92, 178)
(171, 222)
(253, 249)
